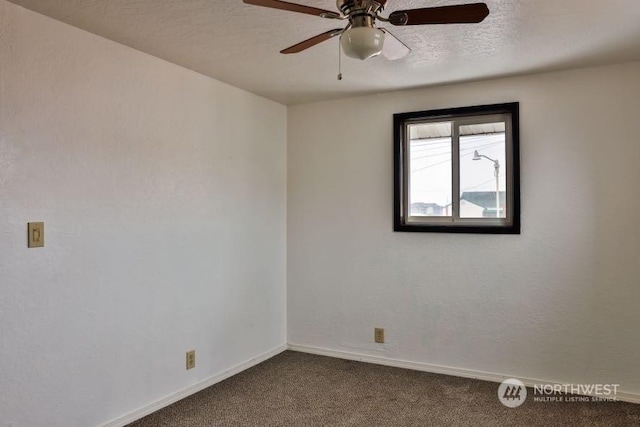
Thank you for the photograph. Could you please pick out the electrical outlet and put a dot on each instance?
(191, 359)
(378, 335)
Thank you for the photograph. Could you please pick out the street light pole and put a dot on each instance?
(496, 173)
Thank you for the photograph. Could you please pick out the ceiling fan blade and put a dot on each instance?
(312, 41)
(293, 7)
(461, 14)
(393, 48)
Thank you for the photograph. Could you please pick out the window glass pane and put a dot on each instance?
(430, 169)
(483, 171)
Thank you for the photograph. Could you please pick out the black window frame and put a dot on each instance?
(400, 121)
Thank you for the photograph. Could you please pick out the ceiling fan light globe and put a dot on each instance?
(362, 42)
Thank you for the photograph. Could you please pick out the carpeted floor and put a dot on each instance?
(296, 389)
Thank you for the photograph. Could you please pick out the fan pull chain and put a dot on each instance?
(339, 60)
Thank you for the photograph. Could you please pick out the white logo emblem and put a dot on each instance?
(512, 393)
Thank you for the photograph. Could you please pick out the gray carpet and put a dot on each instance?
(296, 389)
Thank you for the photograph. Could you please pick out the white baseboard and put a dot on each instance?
(437, 369)
(188, 391)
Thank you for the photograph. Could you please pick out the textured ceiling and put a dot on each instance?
(239, 44)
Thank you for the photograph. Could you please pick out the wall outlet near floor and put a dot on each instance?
(191, 359)
(378, 335)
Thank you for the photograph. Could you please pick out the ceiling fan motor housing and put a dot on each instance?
(361, 13)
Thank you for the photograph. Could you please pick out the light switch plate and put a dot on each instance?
(36, 234)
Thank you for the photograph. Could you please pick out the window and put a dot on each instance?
(457, 170)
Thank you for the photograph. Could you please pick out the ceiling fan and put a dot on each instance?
(361, 38)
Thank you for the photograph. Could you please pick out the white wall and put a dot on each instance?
(163, 194)
(558, 302)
